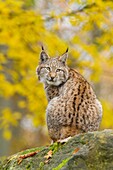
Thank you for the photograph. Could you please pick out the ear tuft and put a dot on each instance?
(67, 50)
(64, 57)
(42, 47)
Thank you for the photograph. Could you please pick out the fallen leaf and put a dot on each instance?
(46, 161)
(21, 157)
(76, 150)
(19, 161)
(28, 155)
(49, 154)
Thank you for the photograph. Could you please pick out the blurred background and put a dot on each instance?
(85, 26)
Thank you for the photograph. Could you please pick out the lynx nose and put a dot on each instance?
(52, 75)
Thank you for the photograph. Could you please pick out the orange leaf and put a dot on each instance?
(49, 154)
(76, 150)
(28, 155)
(19, 160)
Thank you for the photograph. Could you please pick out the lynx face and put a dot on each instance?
(52, 71)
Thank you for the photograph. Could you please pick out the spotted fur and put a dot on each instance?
(72, 104)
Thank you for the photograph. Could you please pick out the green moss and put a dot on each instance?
(93, 154)
(31, 150)
(41, 165)
(62, 164)
(28, 166)
(55, 147)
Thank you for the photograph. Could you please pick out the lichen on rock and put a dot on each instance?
(88, 151)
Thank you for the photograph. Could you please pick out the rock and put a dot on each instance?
(89, 151)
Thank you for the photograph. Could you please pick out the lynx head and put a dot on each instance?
(53, 71)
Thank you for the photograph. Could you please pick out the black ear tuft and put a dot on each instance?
(67, 49)
(42, 47)
(64, 57)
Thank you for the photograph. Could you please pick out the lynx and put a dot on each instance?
(73, 107)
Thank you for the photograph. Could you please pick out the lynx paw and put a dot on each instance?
(64, 140)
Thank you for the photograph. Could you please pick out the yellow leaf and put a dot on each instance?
(7, 134)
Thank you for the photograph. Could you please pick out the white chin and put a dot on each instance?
(53, 83)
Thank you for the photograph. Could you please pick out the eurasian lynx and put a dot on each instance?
(72, 104)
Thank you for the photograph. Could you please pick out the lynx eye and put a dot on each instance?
(59, 70)
(47, 68)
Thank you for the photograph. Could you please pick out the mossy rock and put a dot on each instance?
(89, 151)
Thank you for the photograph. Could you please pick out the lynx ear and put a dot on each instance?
(43, 56)
(64, 56)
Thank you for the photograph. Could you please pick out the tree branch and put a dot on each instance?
(80, 9)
